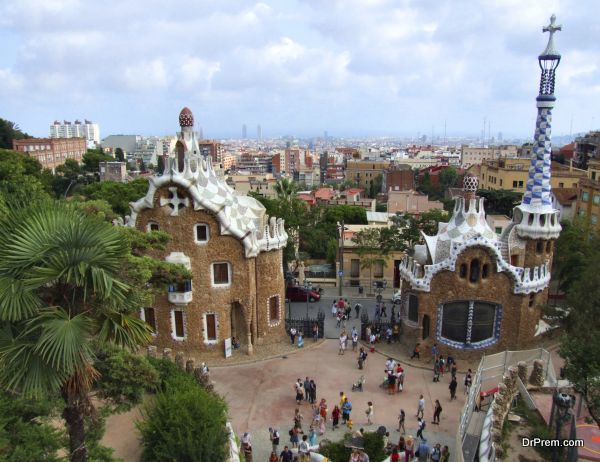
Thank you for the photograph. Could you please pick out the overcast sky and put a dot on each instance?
(352, 67)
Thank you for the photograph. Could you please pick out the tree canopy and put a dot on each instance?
(500, 201)
(10, 131)
(117, 194)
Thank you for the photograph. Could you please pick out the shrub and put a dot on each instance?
(373, 444)
(185, 422)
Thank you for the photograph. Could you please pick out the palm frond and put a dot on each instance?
(123, 329)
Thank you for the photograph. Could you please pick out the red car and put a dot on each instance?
(299, 294)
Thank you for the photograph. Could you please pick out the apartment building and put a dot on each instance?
(52, 152)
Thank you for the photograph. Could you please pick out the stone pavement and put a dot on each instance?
(261, 395)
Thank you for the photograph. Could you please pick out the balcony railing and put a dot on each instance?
(180, 293)
(180, 298)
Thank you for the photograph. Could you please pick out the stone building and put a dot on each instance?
(470, 290)
(232, 248)
(52, 152)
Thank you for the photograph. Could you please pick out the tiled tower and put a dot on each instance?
(535, 217)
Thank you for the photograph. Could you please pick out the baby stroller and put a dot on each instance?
(359, 384)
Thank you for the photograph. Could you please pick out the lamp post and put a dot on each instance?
(307, 289)
(341, 229)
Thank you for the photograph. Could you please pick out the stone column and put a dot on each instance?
(179, 359)
(167, 354)
(151, 351)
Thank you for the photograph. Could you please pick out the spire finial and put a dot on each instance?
(552, 28)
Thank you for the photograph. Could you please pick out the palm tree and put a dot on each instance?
(60, 292)
(286, 190)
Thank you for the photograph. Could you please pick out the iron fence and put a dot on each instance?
(306, 324)
(379, 327)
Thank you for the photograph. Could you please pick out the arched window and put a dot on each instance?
(180, 156)
(474, 272)
(485, 271)
(469, 324)
(539, 247)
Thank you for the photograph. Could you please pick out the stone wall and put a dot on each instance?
(253, 280)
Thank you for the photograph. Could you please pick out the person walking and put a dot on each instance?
(453, 370)
(247, 447)
(362, 357)
(468, 382)
(299, 391)
(286, 455)
(416, 352)
(423, 451)
(323, 413)
(304, 449)
(401, 419)
(369, 413)
(312, 436)
(391, 378)
(313, 391)
(306, 389)
(346, 410)
(421, 407)
(420, 428)
(400, 378)
(354, 338)
(452, 388)
(294, 437)
(436, 371)
(436, 453)
(335, 416)
(293, 333)
(383, 310)
(343, 340)
(298, 420)
(434, 352)
(437, 411)
(274, 437)
(315, 330)
(273, 457)
(445, 454)
(339, 316)
(334, 309)
(357, 309)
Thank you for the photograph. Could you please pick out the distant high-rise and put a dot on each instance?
(325, 135)
(244, 132)
(88, 130)
(258, 132)
(499, 137)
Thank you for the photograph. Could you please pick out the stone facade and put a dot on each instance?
(233, 251)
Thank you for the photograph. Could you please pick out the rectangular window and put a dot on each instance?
(515, 183)
(355, 268)
(274, 309)
(413, 308)
(585, 196)
(500, 181)
(593, 175)
(498, 229)
(152, 226)
(520, 184)
(211, 327)
(178, 325)
(150, 318)
(597, 199)
(594, 218)
(561, 185)
(378, 270)
(202, 233)
(220, 273)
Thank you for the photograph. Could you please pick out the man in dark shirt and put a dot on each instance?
(286, 455)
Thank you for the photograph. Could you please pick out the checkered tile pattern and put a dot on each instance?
(537, 192)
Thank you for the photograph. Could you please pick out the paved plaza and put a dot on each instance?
(261, 395)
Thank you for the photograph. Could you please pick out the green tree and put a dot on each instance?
(369, 249)
(10, 131)
(26, 430)
(61, 290)
(286, 190)
(92, 158)
(375, 186)
(500, 201)
(185, 422)
(119, 155)
(117, 194)
(21, 180)
(448, 178)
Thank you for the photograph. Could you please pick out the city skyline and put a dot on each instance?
(295, 67)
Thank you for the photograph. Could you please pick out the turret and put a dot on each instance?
(535, 217)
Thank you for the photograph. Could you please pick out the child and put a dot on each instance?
(335, 416)
(369, 413)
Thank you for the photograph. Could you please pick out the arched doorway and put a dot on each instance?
(238, 323)
(426, 323)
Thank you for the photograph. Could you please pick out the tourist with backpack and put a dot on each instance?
(420, 428)
(362, 357)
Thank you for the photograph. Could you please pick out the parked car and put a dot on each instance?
(397, 297)
(300, 294)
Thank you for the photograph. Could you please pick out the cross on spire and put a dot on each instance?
(552, 28)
